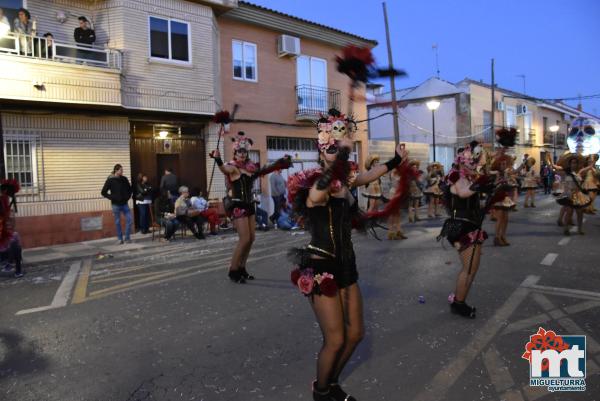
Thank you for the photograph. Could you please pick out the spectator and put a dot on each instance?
(546, 174)
(209, 214)
(168, 183)
(83, 34)
(4, 22)
(166, 215)
(23, 25)
(285, 221)
(143, 200)
(188, 215)
(277, 193)
(47, 51)
(118, 190)
(262, 217)
(10, 244)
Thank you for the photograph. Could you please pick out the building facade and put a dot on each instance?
(141, 96)
(281, 71)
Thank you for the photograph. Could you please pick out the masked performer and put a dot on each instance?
(373, 190)
(395, 218)
(574, 198)
(240, 174)
(326, 271)
(530, 181)
(462, 229)
(500, 168)
(415, 193)
(435, 174)
(591, 183)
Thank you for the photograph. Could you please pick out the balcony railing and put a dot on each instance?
(43, 49)
(313, 100)
(549, 138)
(529, 137)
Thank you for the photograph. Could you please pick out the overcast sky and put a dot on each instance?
(554, 43)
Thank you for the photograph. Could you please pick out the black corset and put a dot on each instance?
(242, 189)
(331, 230)
(466, 208)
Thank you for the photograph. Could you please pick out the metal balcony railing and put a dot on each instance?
(549, 138)
(43, 49)
(528, 137)
(313, 100)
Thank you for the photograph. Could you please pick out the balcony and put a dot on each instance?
(549, 139)
(36, 69)
(528, 137)
(312, 101)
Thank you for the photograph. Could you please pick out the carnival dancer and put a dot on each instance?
(530, 181)
(415, 193)
(326, 271)
(462, 229)
(435, 174)
(373, 190)
(505, 205)
(395, 218)
(10, 243)
(574, 198)
(240, 174)
(591, 181)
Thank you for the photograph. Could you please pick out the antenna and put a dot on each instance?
(437, 61)
(522, 76)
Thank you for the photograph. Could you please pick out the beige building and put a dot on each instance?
(282, 73)
(142, 96)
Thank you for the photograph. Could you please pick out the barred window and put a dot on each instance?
(20, 161)
(295, 144)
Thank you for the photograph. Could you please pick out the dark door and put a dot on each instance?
(167, 161)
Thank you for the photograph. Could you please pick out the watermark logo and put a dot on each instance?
(556, 362)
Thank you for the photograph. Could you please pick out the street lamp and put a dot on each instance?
(433, 106)
(554, 129)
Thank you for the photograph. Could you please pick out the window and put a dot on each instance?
(169, 40)
(20, 160)
(295, 144)
(244, 61)
(311, 78)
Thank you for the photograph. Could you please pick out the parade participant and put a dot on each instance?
(395, 218)
(10, 244)
(240, 174)
(530, 181)
(591, 181)
(574, 198)
(415, 193)
(462, 229)
(373, 190)
(435, 174)
(501, 208)
(326, 271)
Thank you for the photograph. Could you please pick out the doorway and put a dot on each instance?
(167, 161)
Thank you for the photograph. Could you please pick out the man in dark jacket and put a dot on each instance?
(118, 189)
(168, 182)
(83, 34)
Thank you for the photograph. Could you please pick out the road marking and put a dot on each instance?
(446, 377)
(512, 395)
(499, 374)
(81, 287)
(62, 294)
(564, 241)
(549, 259)
(568, 292)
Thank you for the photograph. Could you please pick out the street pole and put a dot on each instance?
(554, 148)
(433, 128)
(392, 78)
(493, 119)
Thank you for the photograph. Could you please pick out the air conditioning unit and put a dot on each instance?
(521, 109)
(288, 46)
(500, 106)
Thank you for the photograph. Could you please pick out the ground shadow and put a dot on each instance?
(21, 355)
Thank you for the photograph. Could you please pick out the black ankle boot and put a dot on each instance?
(236, 276)
(461, 308)
(338, 394)
(245, 274)
(320, 395)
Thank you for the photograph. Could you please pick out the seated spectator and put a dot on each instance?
(188, 215)
(211, 215)
(285, 221)
(166, 215)
(83, 34)
(261, 216)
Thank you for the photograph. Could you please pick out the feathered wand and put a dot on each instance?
(224, 118)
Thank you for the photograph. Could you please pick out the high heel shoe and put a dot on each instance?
(236, 276)
(400, 235)
(504, 241)
(498, 242)
(321, 396)
(391, 235)
(245, 275)
(338, 394)
(462, 309)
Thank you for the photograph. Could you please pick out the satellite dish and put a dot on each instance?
(61, 17)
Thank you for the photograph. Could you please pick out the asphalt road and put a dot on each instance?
(166, 324)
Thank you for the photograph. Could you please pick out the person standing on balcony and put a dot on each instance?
(47, 51)
(23, 25)
(84, 35)
(277, 193)
(118, 190)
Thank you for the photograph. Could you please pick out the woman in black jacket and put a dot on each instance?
(143, 200)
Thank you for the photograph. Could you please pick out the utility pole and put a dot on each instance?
(392, 78)
(522, 76)
(493, 119)
(437, 61)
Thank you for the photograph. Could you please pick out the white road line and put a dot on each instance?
(594, 296)
(62, 294)
(564, 241)
(549, 259)
(446, 377)
(499, 374)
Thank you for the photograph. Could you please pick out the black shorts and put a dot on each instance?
(242, 209)
(344, 274)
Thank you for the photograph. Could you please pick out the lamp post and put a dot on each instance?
(554, 129)
(433, 106)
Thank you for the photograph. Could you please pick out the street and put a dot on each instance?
(165, 323)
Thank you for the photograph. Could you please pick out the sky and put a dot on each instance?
(554, 43)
